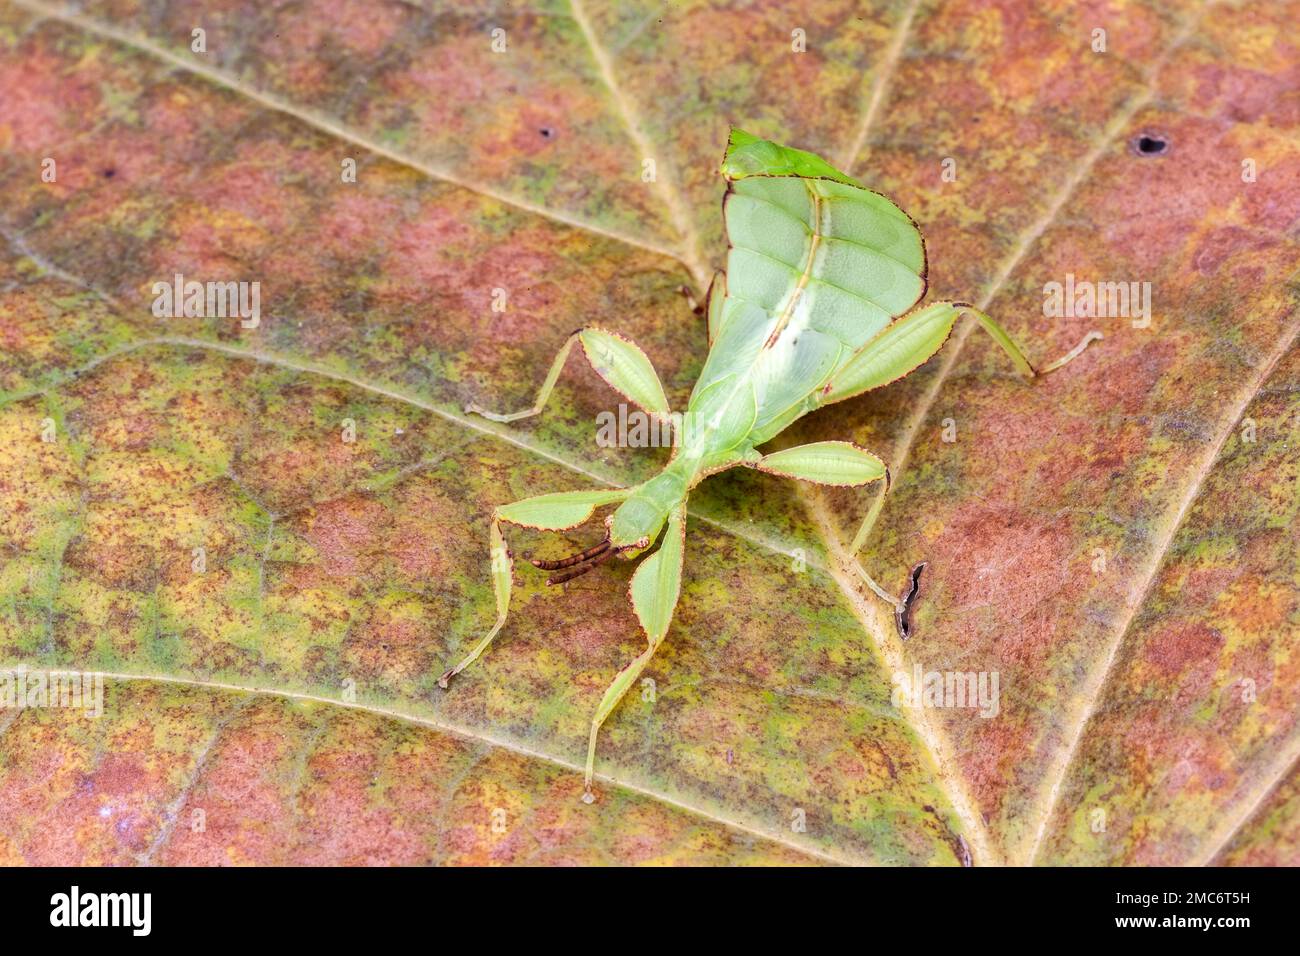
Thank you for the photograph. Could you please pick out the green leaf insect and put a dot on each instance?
(817, 305)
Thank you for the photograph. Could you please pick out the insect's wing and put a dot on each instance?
(817, 266)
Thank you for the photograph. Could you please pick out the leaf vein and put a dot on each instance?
(669, 192)
(880, 87)
(1099, 677)
(331, 128)
(479, 736)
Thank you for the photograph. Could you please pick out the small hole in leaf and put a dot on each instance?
(546, 132)
(110, 173)
(1150, 144)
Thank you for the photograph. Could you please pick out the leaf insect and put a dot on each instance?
(818, 304)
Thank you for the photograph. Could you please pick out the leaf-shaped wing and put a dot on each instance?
(817, 266)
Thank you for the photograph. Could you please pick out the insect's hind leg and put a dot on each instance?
(1015, 352)
(902, 605)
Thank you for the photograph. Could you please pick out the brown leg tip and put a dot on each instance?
(444, 680)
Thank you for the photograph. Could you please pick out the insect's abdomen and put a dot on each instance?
(816, 269)
(822, 255)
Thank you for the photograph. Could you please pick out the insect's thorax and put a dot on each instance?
(762, 373)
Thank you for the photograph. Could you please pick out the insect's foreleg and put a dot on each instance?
(502, 572)
(554, 512)
(654, 591)
(543, 394)
(1015, 352)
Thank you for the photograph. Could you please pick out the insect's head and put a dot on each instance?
(627, 551)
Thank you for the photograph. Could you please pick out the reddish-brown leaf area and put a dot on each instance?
(272, 536)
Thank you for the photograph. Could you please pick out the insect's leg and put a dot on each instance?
(899, 348)
(1014, 351)
(654, 591)
(556, 512)
(859, 540)
(502, 569)
(909, 342)
(902, 605)
(839, 463)
(543, 394)
(618, 360)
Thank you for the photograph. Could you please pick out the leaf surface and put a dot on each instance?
(1105, 540)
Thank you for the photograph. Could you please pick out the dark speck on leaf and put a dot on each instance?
(546, 132)
(1150, 144)
(110, 173)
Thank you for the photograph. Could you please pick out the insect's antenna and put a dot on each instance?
(600, 558)
(572, 559)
